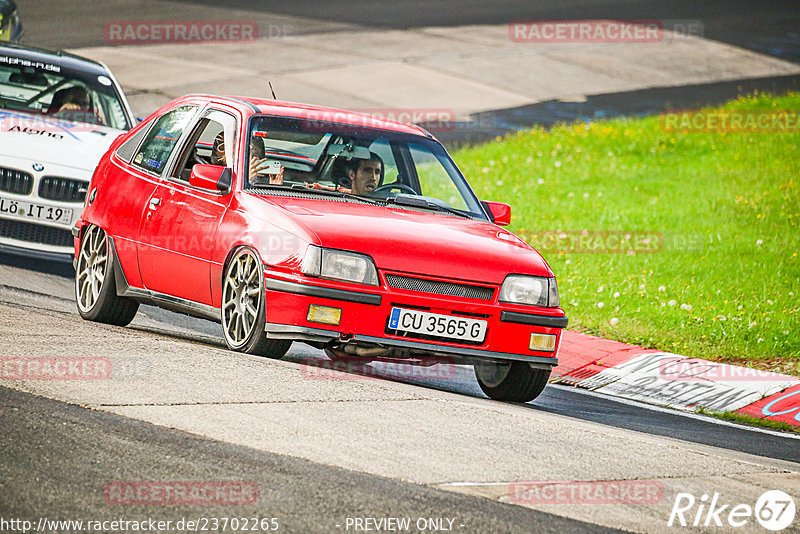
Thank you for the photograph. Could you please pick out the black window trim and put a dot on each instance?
(170, 159)
(184, 141)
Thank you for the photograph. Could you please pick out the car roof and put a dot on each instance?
(294, 109)
(55, 57)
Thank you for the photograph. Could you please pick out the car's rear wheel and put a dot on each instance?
(244, 307)
(512, 381)
(95, 290)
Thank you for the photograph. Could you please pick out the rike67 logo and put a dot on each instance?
(774, 510)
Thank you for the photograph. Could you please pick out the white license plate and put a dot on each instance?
(435, 324)
(30, 211)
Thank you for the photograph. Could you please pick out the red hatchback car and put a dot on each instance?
(288, 222)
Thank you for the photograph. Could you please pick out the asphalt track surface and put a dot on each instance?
(74, 452)
(57, 456)
(562, 400)
(767, 27)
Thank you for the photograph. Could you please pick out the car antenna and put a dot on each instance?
(273, 91)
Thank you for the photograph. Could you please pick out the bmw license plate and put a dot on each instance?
(18, 209)
(435, 324)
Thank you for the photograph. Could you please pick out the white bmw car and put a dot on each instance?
(58, 115)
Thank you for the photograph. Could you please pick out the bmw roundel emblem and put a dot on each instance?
(38, 167)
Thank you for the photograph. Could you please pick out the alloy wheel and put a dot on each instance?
(241, 297)
(91, 268)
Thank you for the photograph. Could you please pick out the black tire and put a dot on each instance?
(95, 290)
(512, 382)
(243, 309)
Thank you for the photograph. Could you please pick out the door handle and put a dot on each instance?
(154, 202)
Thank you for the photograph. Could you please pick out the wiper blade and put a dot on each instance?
(363, 199)
(422, 202)
(342, 194)
(320, 191)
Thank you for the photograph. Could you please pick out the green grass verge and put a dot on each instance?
(750, 420)
(724, 283)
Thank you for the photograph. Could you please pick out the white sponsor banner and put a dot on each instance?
(687, 383)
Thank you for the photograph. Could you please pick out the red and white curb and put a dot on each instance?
(675, 381)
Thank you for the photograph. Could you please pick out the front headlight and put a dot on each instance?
(532, 290)
(339, 265)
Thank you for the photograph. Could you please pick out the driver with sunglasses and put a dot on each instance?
(257, 156)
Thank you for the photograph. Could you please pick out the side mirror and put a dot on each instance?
(213, 177)
(501, 213)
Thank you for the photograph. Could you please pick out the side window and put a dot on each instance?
(162, 138)
(212, 141)
(206, 146)
(128, 148)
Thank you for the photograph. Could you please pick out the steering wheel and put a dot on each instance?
(396, 185)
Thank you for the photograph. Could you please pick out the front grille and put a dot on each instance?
(63, 189)
(35, 233)
(440, 288)
(14, 181)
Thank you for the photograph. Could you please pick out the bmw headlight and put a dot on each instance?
(532, 290)
(339, 265)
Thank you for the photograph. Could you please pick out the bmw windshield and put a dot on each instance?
(57, 92)
(364, 163)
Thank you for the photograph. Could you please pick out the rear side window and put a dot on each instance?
(154, 152)
(128, 148)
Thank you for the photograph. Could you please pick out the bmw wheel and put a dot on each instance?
(95, 290)
(244, 307)
(511, 381)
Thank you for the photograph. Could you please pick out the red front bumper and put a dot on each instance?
(365, 313)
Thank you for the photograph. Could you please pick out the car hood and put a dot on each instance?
(421, 242)
(49, 140)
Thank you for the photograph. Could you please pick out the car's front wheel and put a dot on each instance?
(95, 290)
(512, 381)
(244, 307)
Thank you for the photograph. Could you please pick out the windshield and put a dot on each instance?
(46, 89)
(377, 165)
